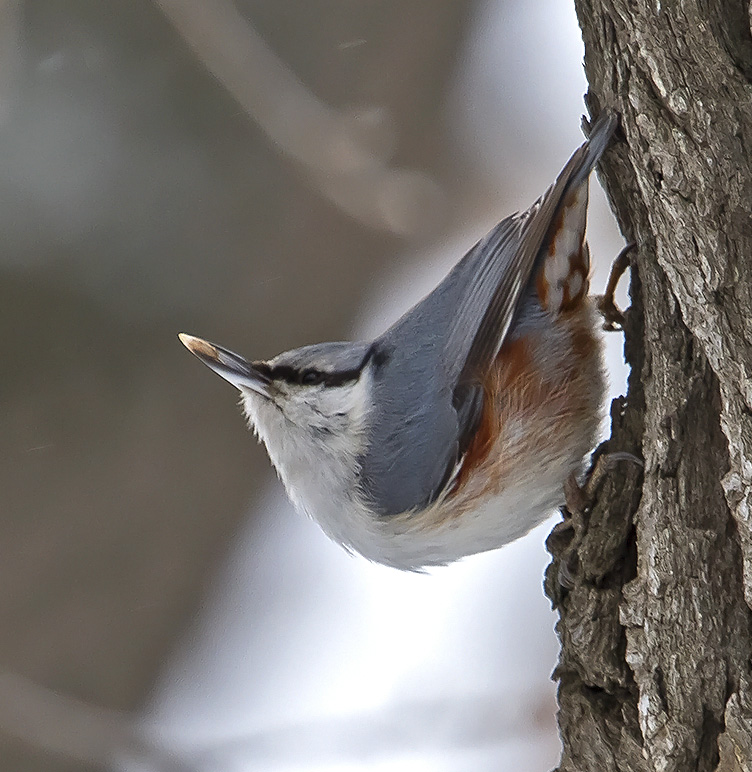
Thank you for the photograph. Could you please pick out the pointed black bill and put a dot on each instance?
(233, 368)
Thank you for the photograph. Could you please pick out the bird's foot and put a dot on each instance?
(613, 317)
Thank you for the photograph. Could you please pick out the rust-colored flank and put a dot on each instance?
(510, 373)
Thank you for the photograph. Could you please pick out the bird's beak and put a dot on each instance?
(233, 368)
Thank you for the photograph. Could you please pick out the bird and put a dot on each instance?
(457, 430)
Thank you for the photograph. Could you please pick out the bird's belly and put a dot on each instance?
(543, 425)
(509, 494)
(479, 518)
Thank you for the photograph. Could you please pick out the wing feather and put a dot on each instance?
(506, 261)
(428, 397)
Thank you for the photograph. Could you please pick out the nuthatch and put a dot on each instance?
(456, 430)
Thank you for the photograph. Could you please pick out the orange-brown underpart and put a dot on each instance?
(511, 368)
(517, 391)
(541, 287)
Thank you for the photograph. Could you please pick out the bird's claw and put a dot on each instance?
(613, 317)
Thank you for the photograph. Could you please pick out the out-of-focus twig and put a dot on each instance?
(65, 726)
(417, 727)
(346, 154)
(77, 731)
(11, 48)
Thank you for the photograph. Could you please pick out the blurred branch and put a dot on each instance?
(345, 153)
(414, 727)
(75, 730)
(10, 55)
(85, 733)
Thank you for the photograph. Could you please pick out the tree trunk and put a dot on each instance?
(654, 582)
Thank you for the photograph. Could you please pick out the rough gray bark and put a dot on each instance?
(655, 618)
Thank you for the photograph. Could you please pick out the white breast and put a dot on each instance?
(452, 528)
(321, 482)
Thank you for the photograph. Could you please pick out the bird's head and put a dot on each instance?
(309, 406)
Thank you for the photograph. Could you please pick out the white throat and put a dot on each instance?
(315, 450)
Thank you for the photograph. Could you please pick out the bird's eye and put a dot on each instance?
(311, 377)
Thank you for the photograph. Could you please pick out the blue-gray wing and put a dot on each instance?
(506, 262)
(427, 387)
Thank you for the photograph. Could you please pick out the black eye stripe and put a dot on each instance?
(337, 379)
(262, 368)
(284, 373)
(310, 376)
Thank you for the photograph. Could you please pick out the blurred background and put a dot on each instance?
(263, 173)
